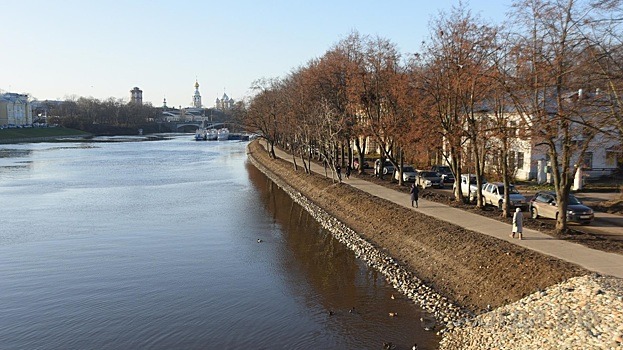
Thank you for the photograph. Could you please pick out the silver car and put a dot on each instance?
(543, 204)
(408, 174)
(429, 179)
(493, 194)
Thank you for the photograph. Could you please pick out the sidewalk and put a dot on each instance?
(590, 259)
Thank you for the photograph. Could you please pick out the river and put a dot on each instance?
(176, 244)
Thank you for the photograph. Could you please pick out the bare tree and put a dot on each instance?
(455, 81)
(549, 86)
(263, 113)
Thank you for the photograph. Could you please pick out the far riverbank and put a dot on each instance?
(20, 135)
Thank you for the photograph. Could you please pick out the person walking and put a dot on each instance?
(338, 170)
(414, 194)
(517, 223)
(348, 170)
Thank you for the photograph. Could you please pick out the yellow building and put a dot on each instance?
(15, 110)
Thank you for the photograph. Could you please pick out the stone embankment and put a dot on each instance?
(403, 280)
(536, 302)
(581, 313)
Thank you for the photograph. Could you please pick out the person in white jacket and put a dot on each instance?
(517, 223)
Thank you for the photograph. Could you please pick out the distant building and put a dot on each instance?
(224, 103)
(197, 96)
(136, 96)
(15, 109)
(42, 109)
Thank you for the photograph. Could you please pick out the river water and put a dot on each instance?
(154, 245)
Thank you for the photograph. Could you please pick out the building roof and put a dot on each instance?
(13, 97)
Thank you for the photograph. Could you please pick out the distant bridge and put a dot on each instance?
(199, 124)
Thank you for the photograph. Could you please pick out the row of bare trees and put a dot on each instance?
(84, 112)
(473, 91)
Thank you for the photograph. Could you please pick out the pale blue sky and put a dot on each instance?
(55, 49)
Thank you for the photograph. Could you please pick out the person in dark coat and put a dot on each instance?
(338, 170)
(348, 170)
(414, 194)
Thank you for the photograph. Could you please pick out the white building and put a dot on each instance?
(197, 96)
(15, 109)
(224, 103)
(529, 157)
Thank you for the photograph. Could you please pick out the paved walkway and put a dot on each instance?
(590, 259)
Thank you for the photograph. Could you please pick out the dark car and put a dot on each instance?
(429, 179)
(544, 204)
(387, 168)
(445, 171)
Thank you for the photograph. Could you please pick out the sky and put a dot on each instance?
(59, 49)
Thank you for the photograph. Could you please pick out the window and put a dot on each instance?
(543, 198)
(511, 159)
(611, 159)
(588, 160)
(513, 128)
(519, 160)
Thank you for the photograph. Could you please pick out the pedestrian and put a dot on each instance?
(338, 171)
(517, 223)
(348, 170)
(414, 194)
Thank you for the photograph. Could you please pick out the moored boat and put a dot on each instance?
(201, 135)
(223, 134)
(212, 135)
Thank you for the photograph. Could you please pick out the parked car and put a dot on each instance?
(388, 168)
(469, 187)
(445, 171)
(544, 204)
(493, 194)
(408, 174)
(426, 178)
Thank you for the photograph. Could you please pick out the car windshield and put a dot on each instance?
(444, 170)
(573, 200)
(428, 174)
(511, 190)
(408, 169)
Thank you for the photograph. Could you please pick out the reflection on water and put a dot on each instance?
(155, 245)
(355, 298)
(14, 153)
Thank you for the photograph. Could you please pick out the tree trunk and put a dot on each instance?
(505, 209)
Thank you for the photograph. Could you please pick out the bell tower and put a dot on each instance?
(197, 96)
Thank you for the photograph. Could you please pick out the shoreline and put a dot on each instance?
(402, 279)
(39, 139)
(500, 305)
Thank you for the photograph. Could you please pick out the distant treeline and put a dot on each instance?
(111, 116)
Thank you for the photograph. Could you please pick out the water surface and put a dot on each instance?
(154, 245)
